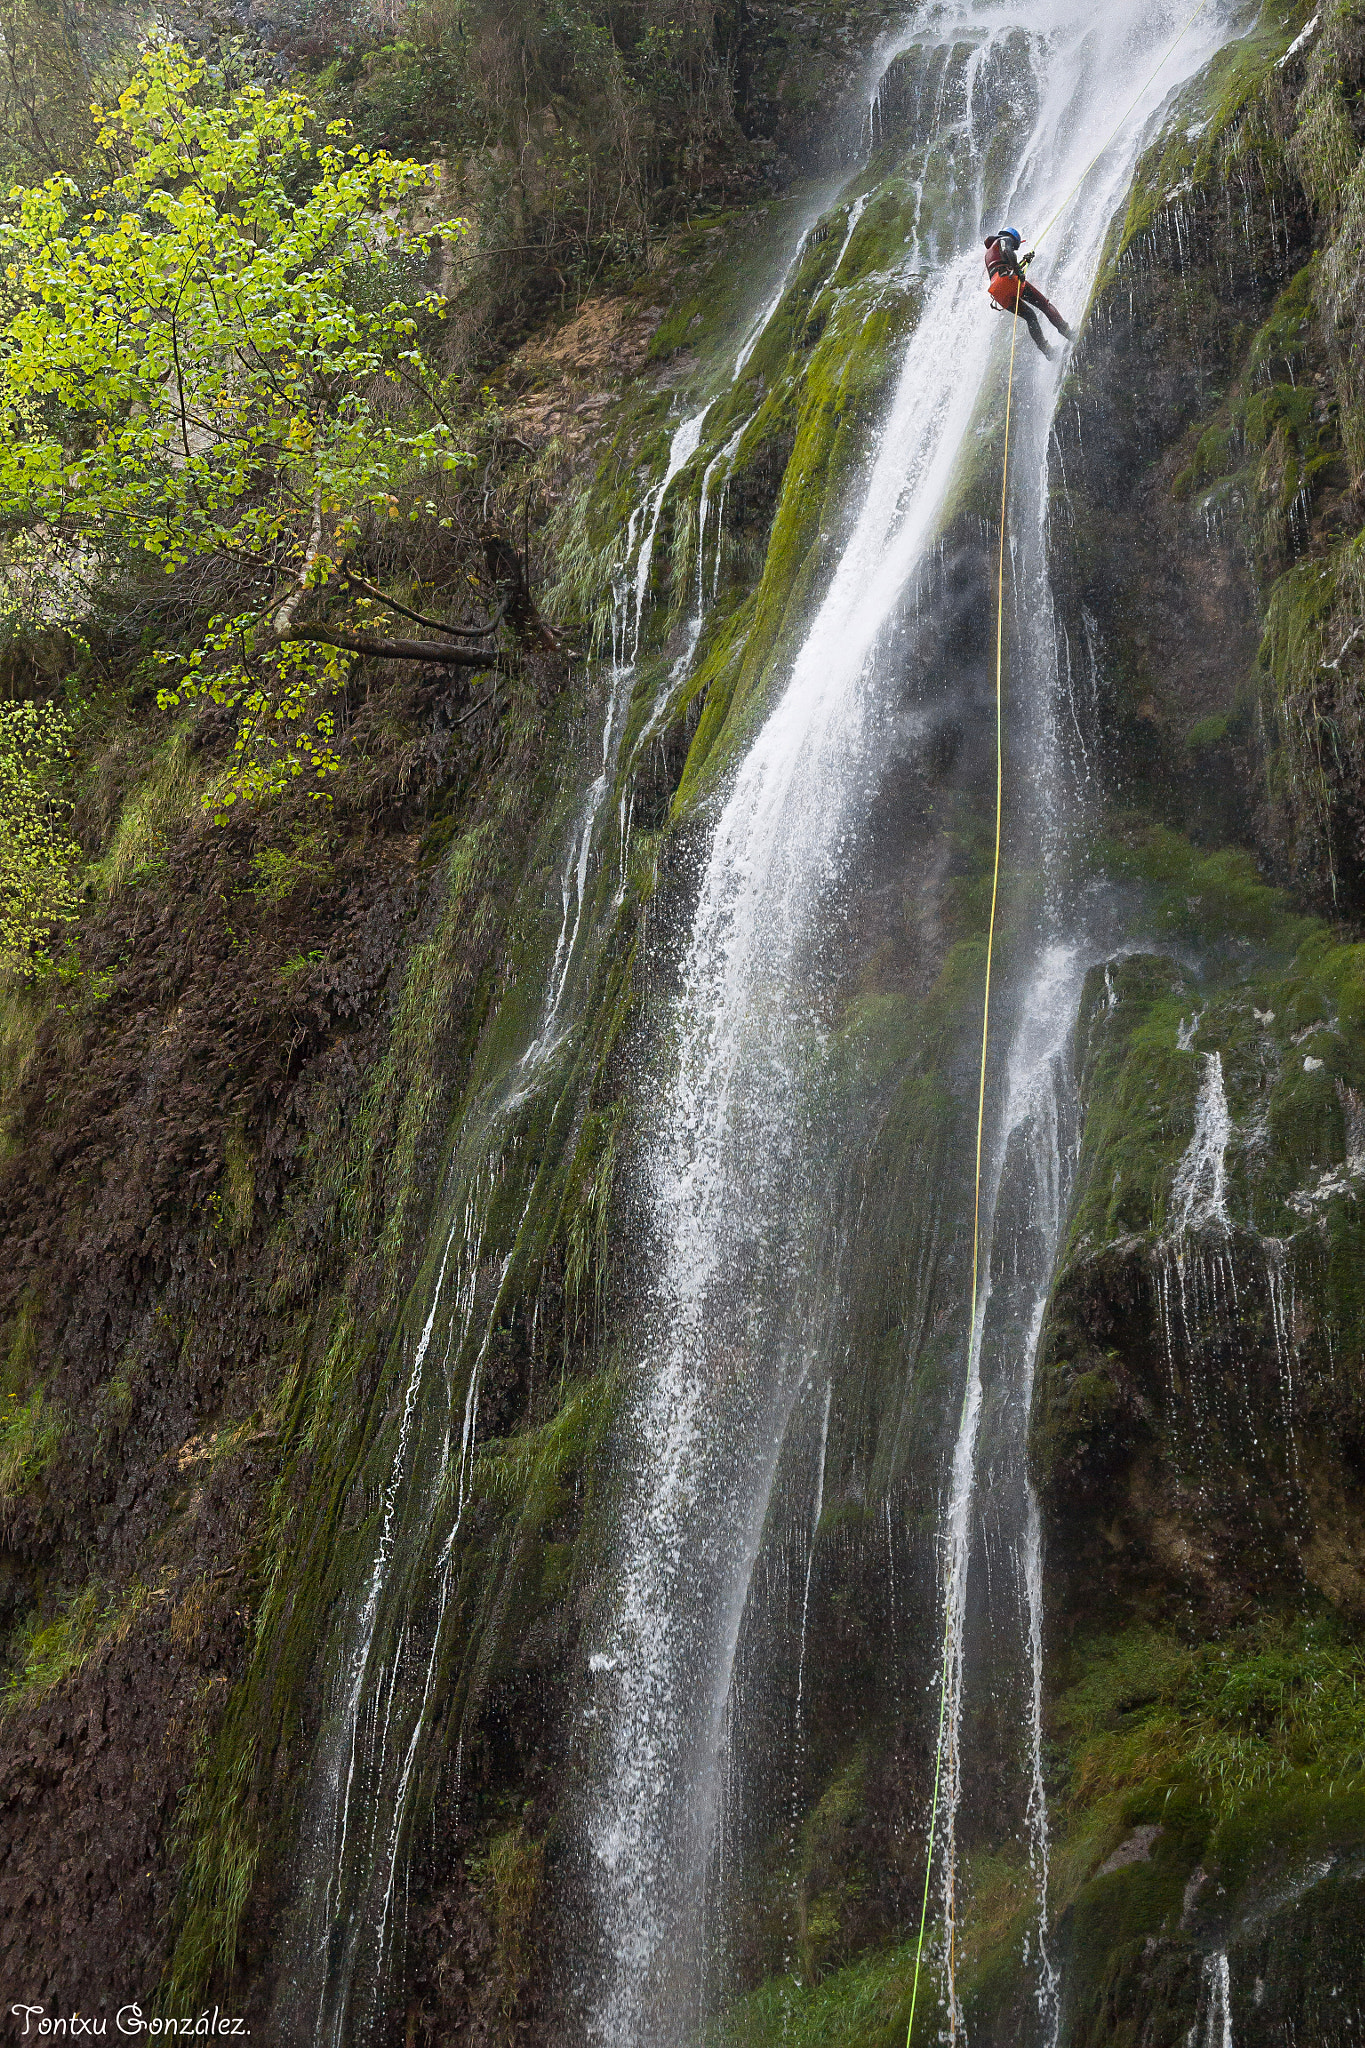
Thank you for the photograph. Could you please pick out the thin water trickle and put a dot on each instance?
(855, 214)
(574, 882)
(1200, 1190)
(1048, 1988)
(683, 446)
(1213, 2024)
(816, 1513)
(346, 1822)
(1279, 1274)
(726, 456)
(763, 319)
(1036, 1159)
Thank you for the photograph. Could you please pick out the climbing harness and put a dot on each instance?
(986, 1004)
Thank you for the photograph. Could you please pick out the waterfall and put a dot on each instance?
(745, 1242)
(361, 1796)
(746, 1167)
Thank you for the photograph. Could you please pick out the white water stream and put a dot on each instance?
(1200, 1191)
(1216, 2004)
(361, 1804)
(1036, 1162)
(737, 1311)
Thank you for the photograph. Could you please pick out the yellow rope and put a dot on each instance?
(986, 1000)
(980, 1121)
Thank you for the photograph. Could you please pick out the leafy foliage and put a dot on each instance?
(219, 357)
(39, 862)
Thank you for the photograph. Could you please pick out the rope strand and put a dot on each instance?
(986, 999)
(980, 1122)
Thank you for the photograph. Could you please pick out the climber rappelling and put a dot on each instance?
(1011, 290)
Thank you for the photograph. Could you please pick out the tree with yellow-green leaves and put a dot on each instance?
(39, 861)
(219, 355)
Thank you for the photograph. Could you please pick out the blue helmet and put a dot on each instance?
(1013, 234)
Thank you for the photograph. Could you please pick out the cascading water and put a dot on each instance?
(810, 1556)
(1037, 1158)
(748, 1244)
(369, 1758)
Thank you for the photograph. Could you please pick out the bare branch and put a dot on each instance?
(418, 618)
(180, 388)
(416, 384)
(479, 704)
(438, 652)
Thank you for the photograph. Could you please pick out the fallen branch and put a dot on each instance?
(438, 652)
(479, 704)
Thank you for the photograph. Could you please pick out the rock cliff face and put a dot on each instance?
(331, 1193)
(1194, 1432)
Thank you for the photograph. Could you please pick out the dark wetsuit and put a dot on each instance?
(1011, 290)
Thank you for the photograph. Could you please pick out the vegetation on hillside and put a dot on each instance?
(39, 861)
(197, 364)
